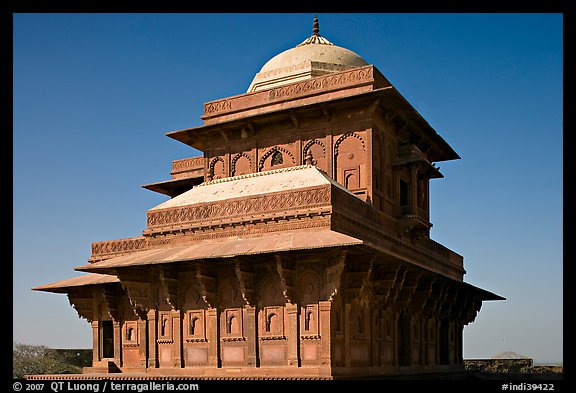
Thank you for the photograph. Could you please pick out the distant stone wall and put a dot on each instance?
(521, 368)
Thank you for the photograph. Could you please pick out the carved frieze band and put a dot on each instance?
(119, 246)
(187, 164)
(337, 79)
(241, 207)
(217, 106)
(257, 226)
(329, 82)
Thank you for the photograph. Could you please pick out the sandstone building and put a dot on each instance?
(296, 246)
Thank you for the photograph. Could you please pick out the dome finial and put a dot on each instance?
(315, 38)
(316, 26)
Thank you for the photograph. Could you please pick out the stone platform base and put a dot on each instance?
(264, 373)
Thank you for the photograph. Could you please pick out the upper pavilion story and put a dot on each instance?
(318, 103)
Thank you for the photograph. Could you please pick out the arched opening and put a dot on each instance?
(193, 325)
(107, 339)
(309, 317)
(272, 323)
(232, 326)
(130, 334)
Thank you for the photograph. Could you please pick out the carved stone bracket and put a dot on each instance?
(472, 310)
(102, 305)
(245, 281)
(206, 284)
(113, 296)
(422, 294)
(334, 273)
(434, 303)
(84, 306)
(397, 286)
(384, 282)
(365, 297)
(450, 298)
(409, 285)
(286, 274)
(169, 282)
(139, 294)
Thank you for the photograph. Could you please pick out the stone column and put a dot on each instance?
(325, 330)
(152, 337)
(142, 342)
(293, 339)
(251, 336)
(117, 343)
(95, 343)
(177, 337)
(213, 338)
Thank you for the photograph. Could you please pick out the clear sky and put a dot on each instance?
(95, 94)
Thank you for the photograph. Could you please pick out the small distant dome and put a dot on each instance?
(315, 56)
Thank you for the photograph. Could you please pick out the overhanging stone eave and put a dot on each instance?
(227, 248)
(172, 187)
(251, 118)
(85, 280)
(444, 152)
(398, 257)
(389, 257)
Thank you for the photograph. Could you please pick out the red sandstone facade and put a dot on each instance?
(297, 246)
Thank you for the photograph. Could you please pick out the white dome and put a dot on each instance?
(319, 53)
(315, 56)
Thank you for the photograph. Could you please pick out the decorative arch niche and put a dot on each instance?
(271, 304)
(317, 149)
(241, 165)
(350, 161)
(308, 297)
(276, 158)
(217, 168)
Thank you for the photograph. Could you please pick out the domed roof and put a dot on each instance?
(313, 57)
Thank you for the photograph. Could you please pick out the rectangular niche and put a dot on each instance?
(272, 323)
(232, 324)
(130, 334)
(165, 327)
(195, 326)
(309, 321)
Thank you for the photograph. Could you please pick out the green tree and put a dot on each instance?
(39, 359)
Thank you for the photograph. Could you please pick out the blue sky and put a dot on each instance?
(95, 94)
